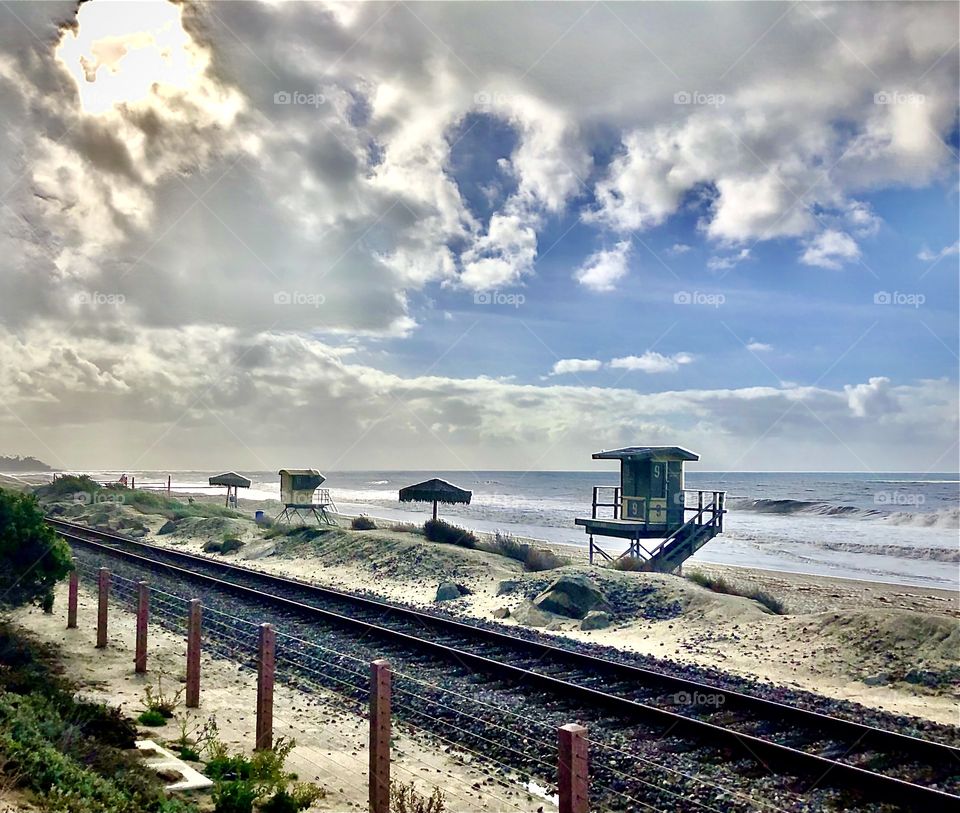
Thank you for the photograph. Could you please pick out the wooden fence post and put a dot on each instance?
(265, 675)
(143, 618)
(572, 769)
(103, 597)
(72, 597)
(193, 654)
(380, 736)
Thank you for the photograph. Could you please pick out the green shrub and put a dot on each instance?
(213, 546)
(151, 717)
(263, 775)
(363, 523)
(437, 530)
(159, 701)
(533, 558)
(234, 796)
(32, 557)
(69, 487)
(629, 564)
(406, 799)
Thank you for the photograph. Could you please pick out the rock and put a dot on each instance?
(595, 620)
(447, 591)
(501, 612)
(573, 596)
(507, 586)
(168, 527)
(527, 614)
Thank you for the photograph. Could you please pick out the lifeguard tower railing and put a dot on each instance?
(702, 521)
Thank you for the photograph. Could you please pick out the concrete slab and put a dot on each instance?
(158, 759)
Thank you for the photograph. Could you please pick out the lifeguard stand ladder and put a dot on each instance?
(303, 499)
(651, 503)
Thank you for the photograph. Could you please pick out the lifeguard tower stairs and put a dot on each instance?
(664, 523)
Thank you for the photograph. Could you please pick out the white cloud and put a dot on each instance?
(679, 248)
(652, 362)
(158, 398)
(759, 347)
(831, 249)
(872, 399)
(929, 256)
(724, 263)
(565, 366)
(603, 269)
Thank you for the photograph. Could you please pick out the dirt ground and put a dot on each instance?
(331, 737)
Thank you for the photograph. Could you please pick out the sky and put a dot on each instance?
(479, 235)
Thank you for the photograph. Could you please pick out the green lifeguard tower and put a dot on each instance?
(651, 504)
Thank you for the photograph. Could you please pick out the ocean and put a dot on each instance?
(898, 528)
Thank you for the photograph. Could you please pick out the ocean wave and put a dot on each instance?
(377, 482)
(900, 551)
(825, 509)
(944, 518)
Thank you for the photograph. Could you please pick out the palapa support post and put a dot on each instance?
(103, 597)
(193, 654)
(380, 736)
(72, 597)
(169, 483)
(265, 677)
(434, 510)
(574, 787)
(143, 619)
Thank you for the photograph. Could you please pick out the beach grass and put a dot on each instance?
(719, 584)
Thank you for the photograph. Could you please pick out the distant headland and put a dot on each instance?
(18, 463)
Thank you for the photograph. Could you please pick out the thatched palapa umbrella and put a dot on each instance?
(435, 491)
(232, 481)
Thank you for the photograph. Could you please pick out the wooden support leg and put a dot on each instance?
(265, 677)
(103, 597)
(72, 598)
(574, 783)
(143, 619)
(193, 655)
(380, 737)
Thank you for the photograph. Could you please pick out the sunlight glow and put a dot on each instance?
(123, 52)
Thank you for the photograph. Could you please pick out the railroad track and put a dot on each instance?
(878, 764)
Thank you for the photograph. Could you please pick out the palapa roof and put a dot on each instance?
(435, 489)
(646, 453)
(230, 478)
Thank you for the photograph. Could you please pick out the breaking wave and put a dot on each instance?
(945, 518)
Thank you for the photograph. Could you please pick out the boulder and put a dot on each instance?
(507, 586)
(447, 591)
(595, 620)
(573, 596)
(168, 527)
(501, 612)
(529, 615)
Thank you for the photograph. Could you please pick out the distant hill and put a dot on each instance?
(22, 464)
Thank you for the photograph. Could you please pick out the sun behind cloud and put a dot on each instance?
(122, 53)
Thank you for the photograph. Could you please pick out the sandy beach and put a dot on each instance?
(885, 646)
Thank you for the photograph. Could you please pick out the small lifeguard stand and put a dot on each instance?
(302, 497)
(651, 503)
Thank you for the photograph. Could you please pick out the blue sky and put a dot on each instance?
(479, 236)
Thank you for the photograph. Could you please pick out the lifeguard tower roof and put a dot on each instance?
(647, 453)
